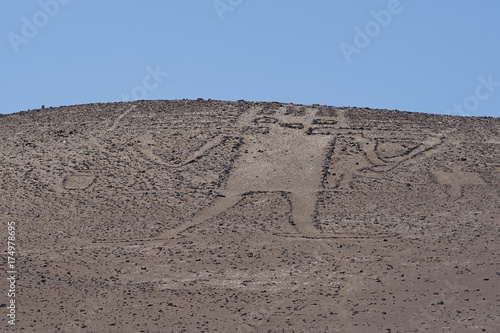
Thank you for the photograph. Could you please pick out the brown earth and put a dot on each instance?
(210, 216)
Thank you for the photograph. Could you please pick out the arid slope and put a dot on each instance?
(203, 216)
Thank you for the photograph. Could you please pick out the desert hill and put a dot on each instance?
(203, 216)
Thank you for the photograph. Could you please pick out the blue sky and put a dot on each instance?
(424, 56)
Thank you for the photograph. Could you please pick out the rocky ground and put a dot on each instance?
(211, 216)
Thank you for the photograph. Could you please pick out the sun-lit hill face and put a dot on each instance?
(276, 215)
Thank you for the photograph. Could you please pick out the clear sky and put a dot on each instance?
(421, 55)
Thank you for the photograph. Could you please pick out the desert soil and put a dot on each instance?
(212, 216)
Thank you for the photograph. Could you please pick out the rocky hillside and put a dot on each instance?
(188, 216)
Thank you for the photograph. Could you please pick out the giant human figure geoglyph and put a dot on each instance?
(285, 156)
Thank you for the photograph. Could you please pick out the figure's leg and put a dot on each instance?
(221, 204)
(303, 206)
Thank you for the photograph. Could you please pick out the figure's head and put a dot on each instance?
(311, 120)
